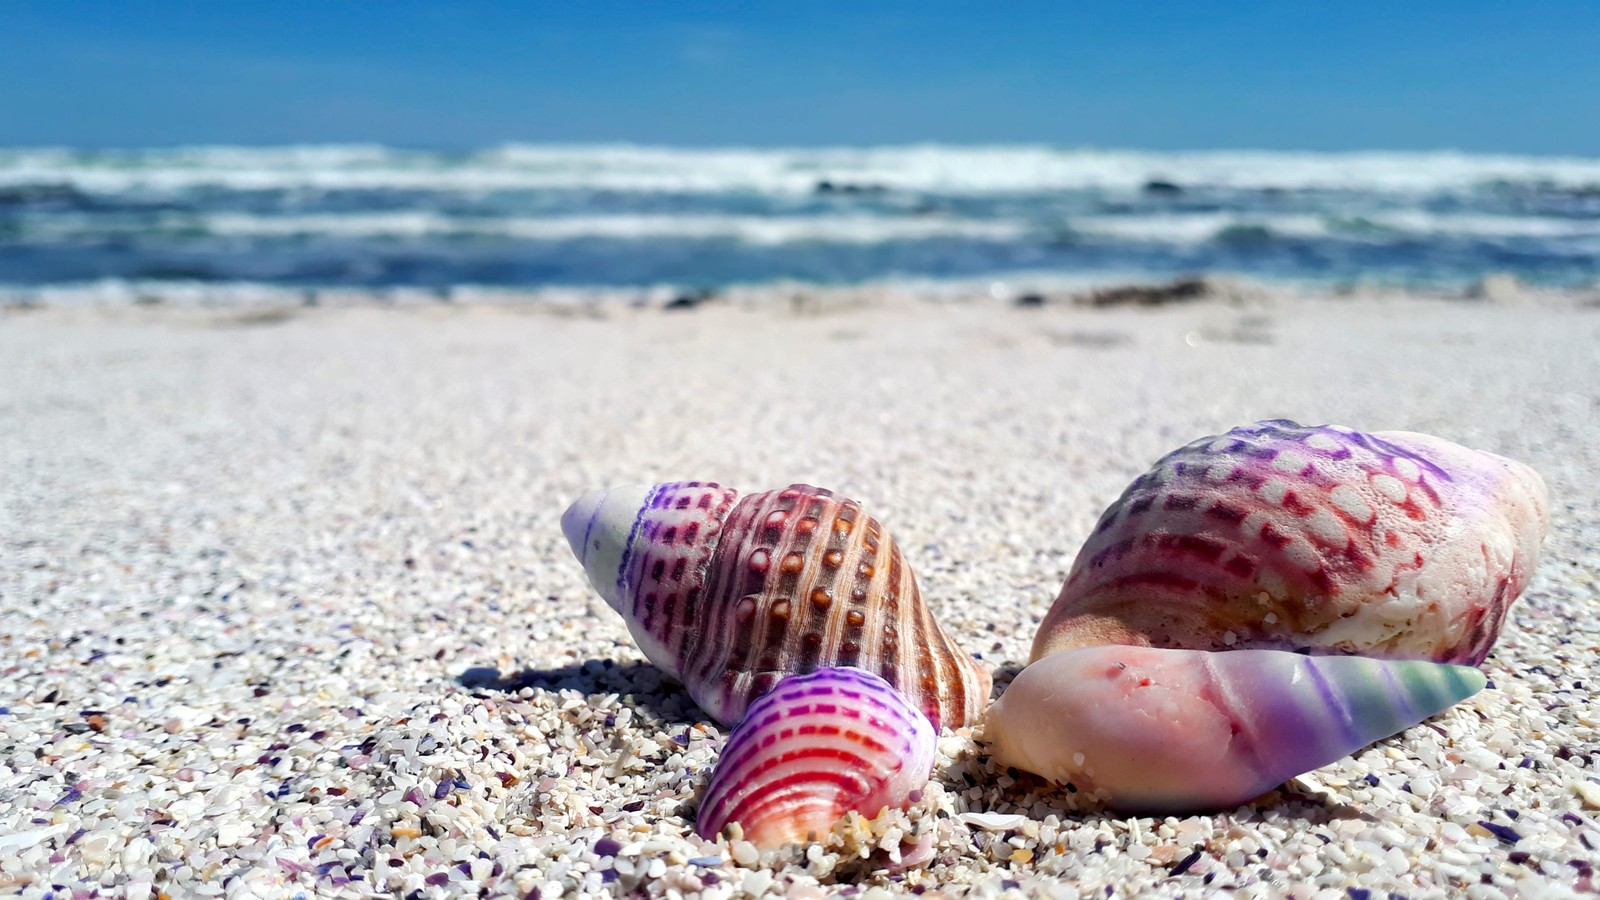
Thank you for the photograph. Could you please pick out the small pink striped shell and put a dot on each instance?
(730, 594)
(813, 749)
(1322, 539)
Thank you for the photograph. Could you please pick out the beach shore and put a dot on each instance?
(286, 608)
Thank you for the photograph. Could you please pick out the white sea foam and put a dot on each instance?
(767, 230)
(860, 228)
(930, 168)
(1194, 228)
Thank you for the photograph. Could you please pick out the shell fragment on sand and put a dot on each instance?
(813, 749)
(730, 594)
(1172, 731)
(1327, 539)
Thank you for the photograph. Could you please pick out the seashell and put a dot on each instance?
(729, 594)
(813, 749)
(1175, 731)
(993, 821)
(1321, 539)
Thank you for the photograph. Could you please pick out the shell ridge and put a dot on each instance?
(588, 535)
(801, 529)
(629, 548)
(691, 609)
(943, 669)
(1220, 691)
(709, 660)
(1396, 690)
(1333, 700)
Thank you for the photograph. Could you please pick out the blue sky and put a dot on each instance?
(1481, 76)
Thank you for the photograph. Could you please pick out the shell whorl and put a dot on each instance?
(731, 594)
(1323, 539)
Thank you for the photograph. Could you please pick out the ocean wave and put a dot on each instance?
(774, 230)
(928, 169)
(758, 230)
(1372, 227)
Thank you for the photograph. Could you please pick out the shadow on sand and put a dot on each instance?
(644, 686)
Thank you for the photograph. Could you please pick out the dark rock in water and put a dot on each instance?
(688, 300)
(828, 187)
(1244, 235)
(1029, 300)
(176, 271)
(1159, 188)
(1178, 291)
(1181, 290)
(31, 194)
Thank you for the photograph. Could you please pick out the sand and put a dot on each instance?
(285, 608)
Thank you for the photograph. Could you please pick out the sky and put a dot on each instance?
(1497, 76)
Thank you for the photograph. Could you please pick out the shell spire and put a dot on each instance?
(1172, 731)
(1322, 539)
(730, 594)
(812, 749)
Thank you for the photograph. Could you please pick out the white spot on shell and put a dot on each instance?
(1322, 442)
(1407, 469)
(1390, 487)
(1271, 582)
(1327, 528)
(1274, 490)
(1349, 500)
(1077, 760)
(1220, 445)
(1221, 471)
(1290, 461)
(1303, 555)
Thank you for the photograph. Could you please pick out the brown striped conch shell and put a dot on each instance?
(730, 594)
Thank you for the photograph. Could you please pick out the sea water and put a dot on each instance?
(534, 216)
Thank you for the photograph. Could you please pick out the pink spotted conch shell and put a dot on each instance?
(1279, 540)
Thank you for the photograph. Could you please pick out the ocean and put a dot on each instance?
(113, 223)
